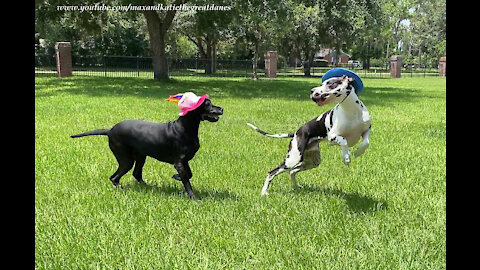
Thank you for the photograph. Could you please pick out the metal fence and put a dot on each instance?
(197, 66)
(137, 66)
(413, 69)
(45, 65)
(112, 66)
(381, 71)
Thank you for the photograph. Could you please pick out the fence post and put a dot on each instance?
(63, 56)
(271, 59)
(396, 66)
(442, 66)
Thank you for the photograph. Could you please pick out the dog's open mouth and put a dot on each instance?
(211, 117)
(212, 114)
(320, 101)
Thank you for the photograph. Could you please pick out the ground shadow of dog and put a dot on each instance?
(173, 190)
(356, 202)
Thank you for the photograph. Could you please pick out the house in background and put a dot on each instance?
(328, 55)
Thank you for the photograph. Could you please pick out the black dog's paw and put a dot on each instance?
(115, 183)
(177, 177)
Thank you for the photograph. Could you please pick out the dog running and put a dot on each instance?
(343, 125)
(131, 141)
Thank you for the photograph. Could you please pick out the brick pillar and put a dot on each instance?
(63, 56)
(271, 59)
(442, 66)
(396, 66)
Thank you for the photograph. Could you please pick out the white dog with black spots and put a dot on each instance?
(343, 125)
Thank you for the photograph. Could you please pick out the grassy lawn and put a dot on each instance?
(386, 211)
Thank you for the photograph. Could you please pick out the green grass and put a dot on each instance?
(386, 211)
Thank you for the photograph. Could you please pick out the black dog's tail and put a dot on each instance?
(92, 132)
(281, 135)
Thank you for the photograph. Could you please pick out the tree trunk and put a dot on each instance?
(395, 33)
(410, 45)
(208, 59)
(214, 57)
(209, 55)
(388, 48)
(157, 45)
(369, 54)
(366, 55)
(307, 64)
(157, 28)
(255, 60)
(159, 59)
(420, 56)
(338, 48)
(306, 69)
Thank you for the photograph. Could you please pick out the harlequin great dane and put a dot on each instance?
(343, 125)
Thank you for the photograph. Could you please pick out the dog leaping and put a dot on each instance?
(343, 125)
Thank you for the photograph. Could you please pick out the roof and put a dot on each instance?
(327, 52)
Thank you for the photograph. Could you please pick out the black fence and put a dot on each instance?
(112, 66)
(413, 69)
(380, 71)
(45, 65)
(221, 67)
(137, 66)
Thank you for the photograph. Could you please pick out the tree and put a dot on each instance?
(333, 24)
(253, 22)
(346, 21)
(52, 25)
(306, 33)
(205, 29)
(93, 21)
(398, 11)
(428, 29)
(370, 33)
(158, 26)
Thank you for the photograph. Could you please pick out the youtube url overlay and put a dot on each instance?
(130, 7)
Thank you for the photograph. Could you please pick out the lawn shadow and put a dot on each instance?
(144, 88)
(174, 190)
(237, 88)
(356, 202)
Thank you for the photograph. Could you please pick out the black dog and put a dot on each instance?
(131, 141)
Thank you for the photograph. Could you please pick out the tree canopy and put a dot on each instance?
(369, 30)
